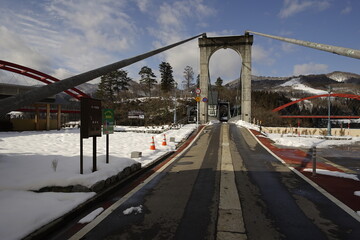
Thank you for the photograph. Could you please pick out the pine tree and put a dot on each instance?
(112, 84)
(147, 78)
(167, 79)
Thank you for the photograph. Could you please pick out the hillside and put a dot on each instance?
(341, 82)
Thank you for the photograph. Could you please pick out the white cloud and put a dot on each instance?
(261, 55)
(225, 63)
(292, 7)
(67, 37)
(288, 47)
(346, 10)
(143, 5)
(310, 68)
(13, 49)
(172, 18)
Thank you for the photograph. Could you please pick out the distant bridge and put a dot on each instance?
(352, 96)
(40, 76)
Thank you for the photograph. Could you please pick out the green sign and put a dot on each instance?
(108, 121)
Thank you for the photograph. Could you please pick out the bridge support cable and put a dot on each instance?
(32, 96)
(347, 52)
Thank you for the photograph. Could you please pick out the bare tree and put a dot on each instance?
(188, 81)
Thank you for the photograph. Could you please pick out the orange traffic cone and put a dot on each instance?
(164, 141)
(152, 146)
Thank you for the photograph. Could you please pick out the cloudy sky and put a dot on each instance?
(66, 37)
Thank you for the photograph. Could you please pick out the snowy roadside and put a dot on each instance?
(34, 160)
(288, 140)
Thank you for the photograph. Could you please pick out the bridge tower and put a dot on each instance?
(241, 45)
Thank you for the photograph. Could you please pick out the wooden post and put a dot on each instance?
(47, 117)
(37, 118)
(59, 117)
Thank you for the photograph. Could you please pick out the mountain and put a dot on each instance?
(313, 84)
(343, 76)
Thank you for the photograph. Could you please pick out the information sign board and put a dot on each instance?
(90, 117)
(108, 121)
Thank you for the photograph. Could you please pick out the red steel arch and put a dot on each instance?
(40, 76)
(353, 96)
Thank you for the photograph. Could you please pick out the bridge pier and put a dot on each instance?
(241, 45)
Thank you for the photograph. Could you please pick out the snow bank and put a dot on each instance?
(333, 173)
(22, 212)
(308, 142)
(27, 157)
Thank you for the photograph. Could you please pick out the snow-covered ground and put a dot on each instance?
(296, 84)
(28, 160)
(303, 141)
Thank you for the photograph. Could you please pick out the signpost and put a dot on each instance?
(198, 98)
(90, 125)
(108, 127)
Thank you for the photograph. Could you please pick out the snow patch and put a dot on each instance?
(91, 216)
(309, 141)
(212, 122)
(333, 173)
(134, 210)
(22, 211)
(291, 82)
(357, 193)
(297, 85)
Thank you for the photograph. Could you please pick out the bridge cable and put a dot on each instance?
(32, 96)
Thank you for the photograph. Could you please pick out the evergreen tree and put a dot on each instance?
(188, 81)
(167, 79)
(219, 83)
(147, 78)
(112, 84)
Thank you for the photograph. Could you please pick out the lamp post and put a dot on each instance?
(175, 86)
(329, 105)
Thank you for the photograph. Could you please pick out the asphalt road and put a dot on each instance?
(226, 186)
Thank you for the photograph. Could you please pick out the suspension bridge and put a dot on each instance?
(241, 44)
(226, 182)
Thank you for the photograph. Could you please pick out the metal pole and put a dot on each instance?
(107, 148)
(175, 105)
(81, 155)
(314, 161)
(35, 95)
(347, 52)
(329, 106)
(197, 114)
(94, 155)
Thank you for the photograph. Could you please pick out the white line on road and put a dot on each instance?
(230, 220)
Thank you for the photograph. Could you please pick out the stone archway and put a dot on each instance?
(242, 45)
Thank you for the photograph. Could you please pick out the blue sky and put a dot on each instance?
(63, 38)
